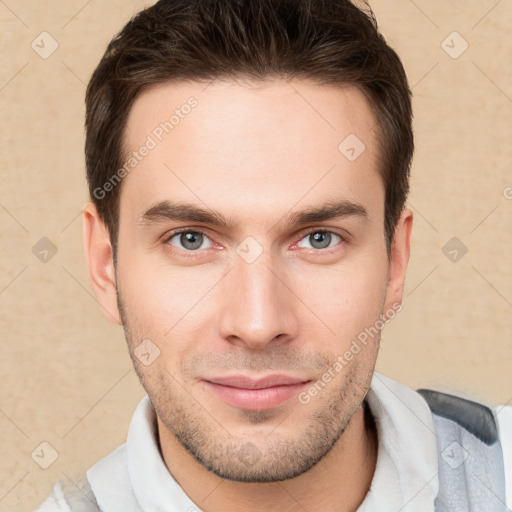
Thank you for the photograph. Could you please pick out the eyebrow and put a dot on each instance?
(181, 211)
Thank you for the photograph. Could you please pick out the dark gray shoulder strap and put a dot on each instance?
(471, 469)
(474, 417)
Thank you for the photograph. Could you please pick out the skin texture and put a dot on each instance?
(257, 154)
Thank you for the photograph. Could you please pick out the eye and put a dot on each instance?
(320, 239)
(189, 240)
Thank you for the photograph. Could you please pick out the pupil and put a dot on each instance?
(321, 240)
(191, 240)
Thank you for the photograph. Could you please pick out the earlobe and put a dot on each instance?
(400, 252)
(100, 263)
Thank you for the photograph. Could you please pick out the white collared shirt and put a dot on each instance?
(134, 477)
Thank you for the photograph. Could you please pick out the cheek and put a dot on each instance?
(167, 305)
(153, 286)
(347, 298)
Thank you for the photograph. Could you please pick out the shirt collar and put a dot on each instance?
(406, 473)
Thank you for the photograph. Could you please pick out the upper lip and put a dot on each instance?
(243, 382)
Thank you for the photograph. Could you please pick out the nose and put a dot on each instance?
(258, 306)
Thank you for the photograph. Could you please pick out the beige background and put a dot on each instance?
(65, 373)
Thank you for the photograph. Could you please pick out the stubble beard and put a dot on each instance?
(253, 457)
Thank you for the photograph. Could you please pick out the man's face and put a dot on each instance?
(262, 296)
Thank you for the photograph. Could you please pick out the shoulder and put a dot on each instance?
(56, 501)
(478, 419)
(70, 498)
(503, 415)
(486, 423)
(492, 427)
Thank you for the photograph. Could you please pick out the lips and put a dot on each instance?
(255, 394)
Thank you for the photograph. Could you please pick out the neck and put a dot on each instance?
(338, 482)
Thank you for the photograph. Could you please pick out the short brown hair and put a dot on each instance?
(326, 41)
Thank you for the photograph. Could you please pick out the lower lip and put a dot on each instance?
(255, 399)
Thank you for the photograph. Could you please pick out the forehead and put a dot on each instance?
(249, 146)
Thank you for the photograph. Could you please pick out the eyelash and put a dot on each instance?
(193, 254)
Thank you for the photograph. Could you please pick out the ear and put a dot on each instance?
(400, 251)
(100, 263)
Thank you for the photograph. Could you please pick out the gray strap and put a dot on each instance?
(471, 469)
